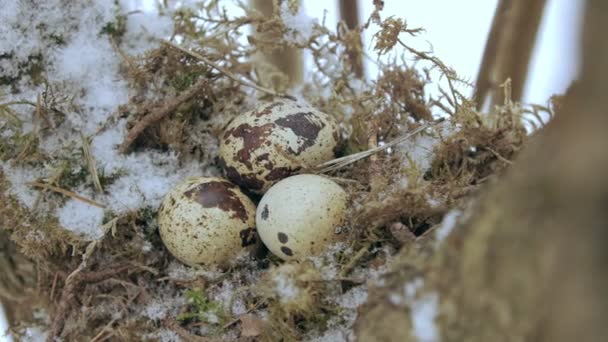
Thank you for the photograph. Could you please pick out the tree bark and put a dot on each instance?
(529, 263)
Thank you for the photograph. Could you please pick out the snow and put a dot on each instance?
(285, 287)
(424, 308)
(424, 312)
(332, 335)
(156, 310)
(163, 335)
(447, 225)
(87, 68)
(165, 303)
(18, 178)
(353, 298)
(34, 334)
(301, 25)
(82, 218)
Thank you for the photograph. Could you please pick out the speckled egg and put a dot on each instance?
(301, 215)
(271, 142)
(206, 221)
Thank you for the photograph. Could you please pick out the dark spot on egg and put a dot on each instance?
(286, 251)
(283, 238)
(304, 126)
(247, 237)
(264, 160)
(265, 212)
(253, 137)
(219, 194)
(279, 173)
(248, 181)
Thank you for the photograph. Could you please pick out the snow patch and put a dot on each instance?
(301, 26)
(162, 335)
(447, 225)
(285, 287)
(424, 312)
(18, 178)
(82, 218)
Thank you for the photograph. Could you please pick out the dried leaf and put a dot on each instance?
(251, 325)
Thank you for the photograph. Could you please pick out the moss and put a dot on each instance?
(202, 309)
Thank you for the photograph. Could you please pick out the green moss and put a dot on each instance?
(182, 82)
(202, 309)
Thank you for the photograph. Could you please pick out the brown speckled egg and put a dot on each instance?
(301, 215)
(269, 143)
(206, 221)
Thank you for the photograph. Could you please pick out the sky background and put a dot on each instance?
(555, 61)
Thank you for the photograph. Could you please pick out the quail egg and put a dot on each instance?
(206, 221)
(301, 215)
(271, 142)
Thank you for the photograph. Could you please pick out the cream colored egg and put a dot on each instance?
(206, 221)
(271, 142)
(301, 215)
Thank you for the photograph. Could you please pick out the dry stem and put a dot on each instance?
(68, 294)
(169, 107)
(224, 71)
(66, 192)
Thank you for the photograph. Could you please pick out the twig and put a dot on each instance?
(103, 330)
(183, 333)
(224, 71)
(234, 321)
(68, 294)
(497, 155)
(91, 165)
(66, 192)
(169, 107)
(448, 72)
(351, 264)
(53, 287)
(338, 163)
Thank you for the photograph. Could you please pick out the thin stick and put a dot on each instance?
(66, 193)
(497, 155)
(351, 263)
(344, 161)
(91, 164)
(169, 107)
(224, 71)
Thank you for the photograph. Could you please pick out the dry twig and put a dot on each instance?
(69, 292)
(169, 107)
(66, 193)
(224, 71)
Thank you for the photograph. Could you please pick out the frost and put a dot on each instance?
(82, 218)
(447, 225)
